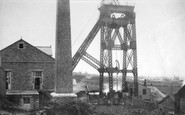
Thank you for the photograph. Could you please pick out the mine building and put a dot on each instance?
(29, 73)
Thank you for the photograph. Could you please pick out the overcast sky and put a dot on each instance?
(160, 27)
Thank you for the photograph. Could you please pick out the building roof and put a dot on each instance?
(181, 92)
(22, 51)
(167, 97)
(45, 49)
(21, 92)
(167, 102)
(156, 93)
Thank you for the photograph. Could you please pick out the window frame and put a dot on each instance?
(27, 97)
(23, 45)
(8, 78)
(34, 77)
(144, 91)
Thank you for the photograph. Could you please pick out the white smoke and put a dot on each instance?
(115, 87)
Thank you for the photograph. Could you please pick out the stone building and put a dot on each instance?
(144, 92)
(29, 74)
(180, 101)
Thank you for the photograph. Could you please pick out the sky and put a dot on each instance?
(160, 29)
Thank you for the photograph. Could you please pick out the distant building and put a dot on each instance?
(144, 92)
(169, 87)
(29, 74)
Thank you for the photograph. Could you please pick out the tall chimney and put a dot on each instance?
(63, 59)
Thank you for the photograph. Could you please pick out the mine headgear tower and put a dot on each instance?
(115, 22)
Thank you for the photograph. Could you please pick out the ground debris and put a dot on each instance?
(120, 110)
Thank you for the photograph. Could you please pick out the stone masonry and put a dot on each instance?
(23, 61)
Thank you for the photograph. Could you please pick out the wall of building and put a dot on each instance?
(23, 61)
(22, 78)
(144, 96)
(182, 104)
(2, 82)
(33, 105)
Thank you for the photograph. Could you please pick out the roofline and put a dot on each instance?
(166, 98)
(44, 46)
(180, 90)
(21, 92)
(29, 44)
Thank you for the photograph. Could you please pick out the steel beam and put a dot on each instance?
(90, 63)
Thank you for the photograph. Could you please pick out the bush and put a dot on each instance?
(6, 104)
(71, 108)
(156, 112)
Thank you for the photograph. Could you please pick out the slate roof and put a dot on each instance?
(45, 49)
(167, 102)
(167, 97)
(156, 93)
(181, 92)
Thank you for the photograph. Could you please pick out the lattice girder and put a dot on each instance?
(110, 27)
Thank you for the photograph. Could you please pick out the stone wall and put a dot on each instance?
(22, 74)
(35, 102)
(23, 61)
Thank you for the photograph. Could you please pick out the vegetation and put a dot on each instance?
(74, 107)
(5, 103)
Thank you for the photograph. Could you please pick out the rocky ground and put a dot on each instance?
(121, 110)
(128, 108)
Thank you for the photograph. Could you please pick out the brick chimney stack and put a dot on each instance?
(63, 57)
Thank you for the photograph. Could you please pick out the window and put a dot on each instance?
(37, 79)
(144, 91)
(26, 100)
(21, 45)
(8, 79)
